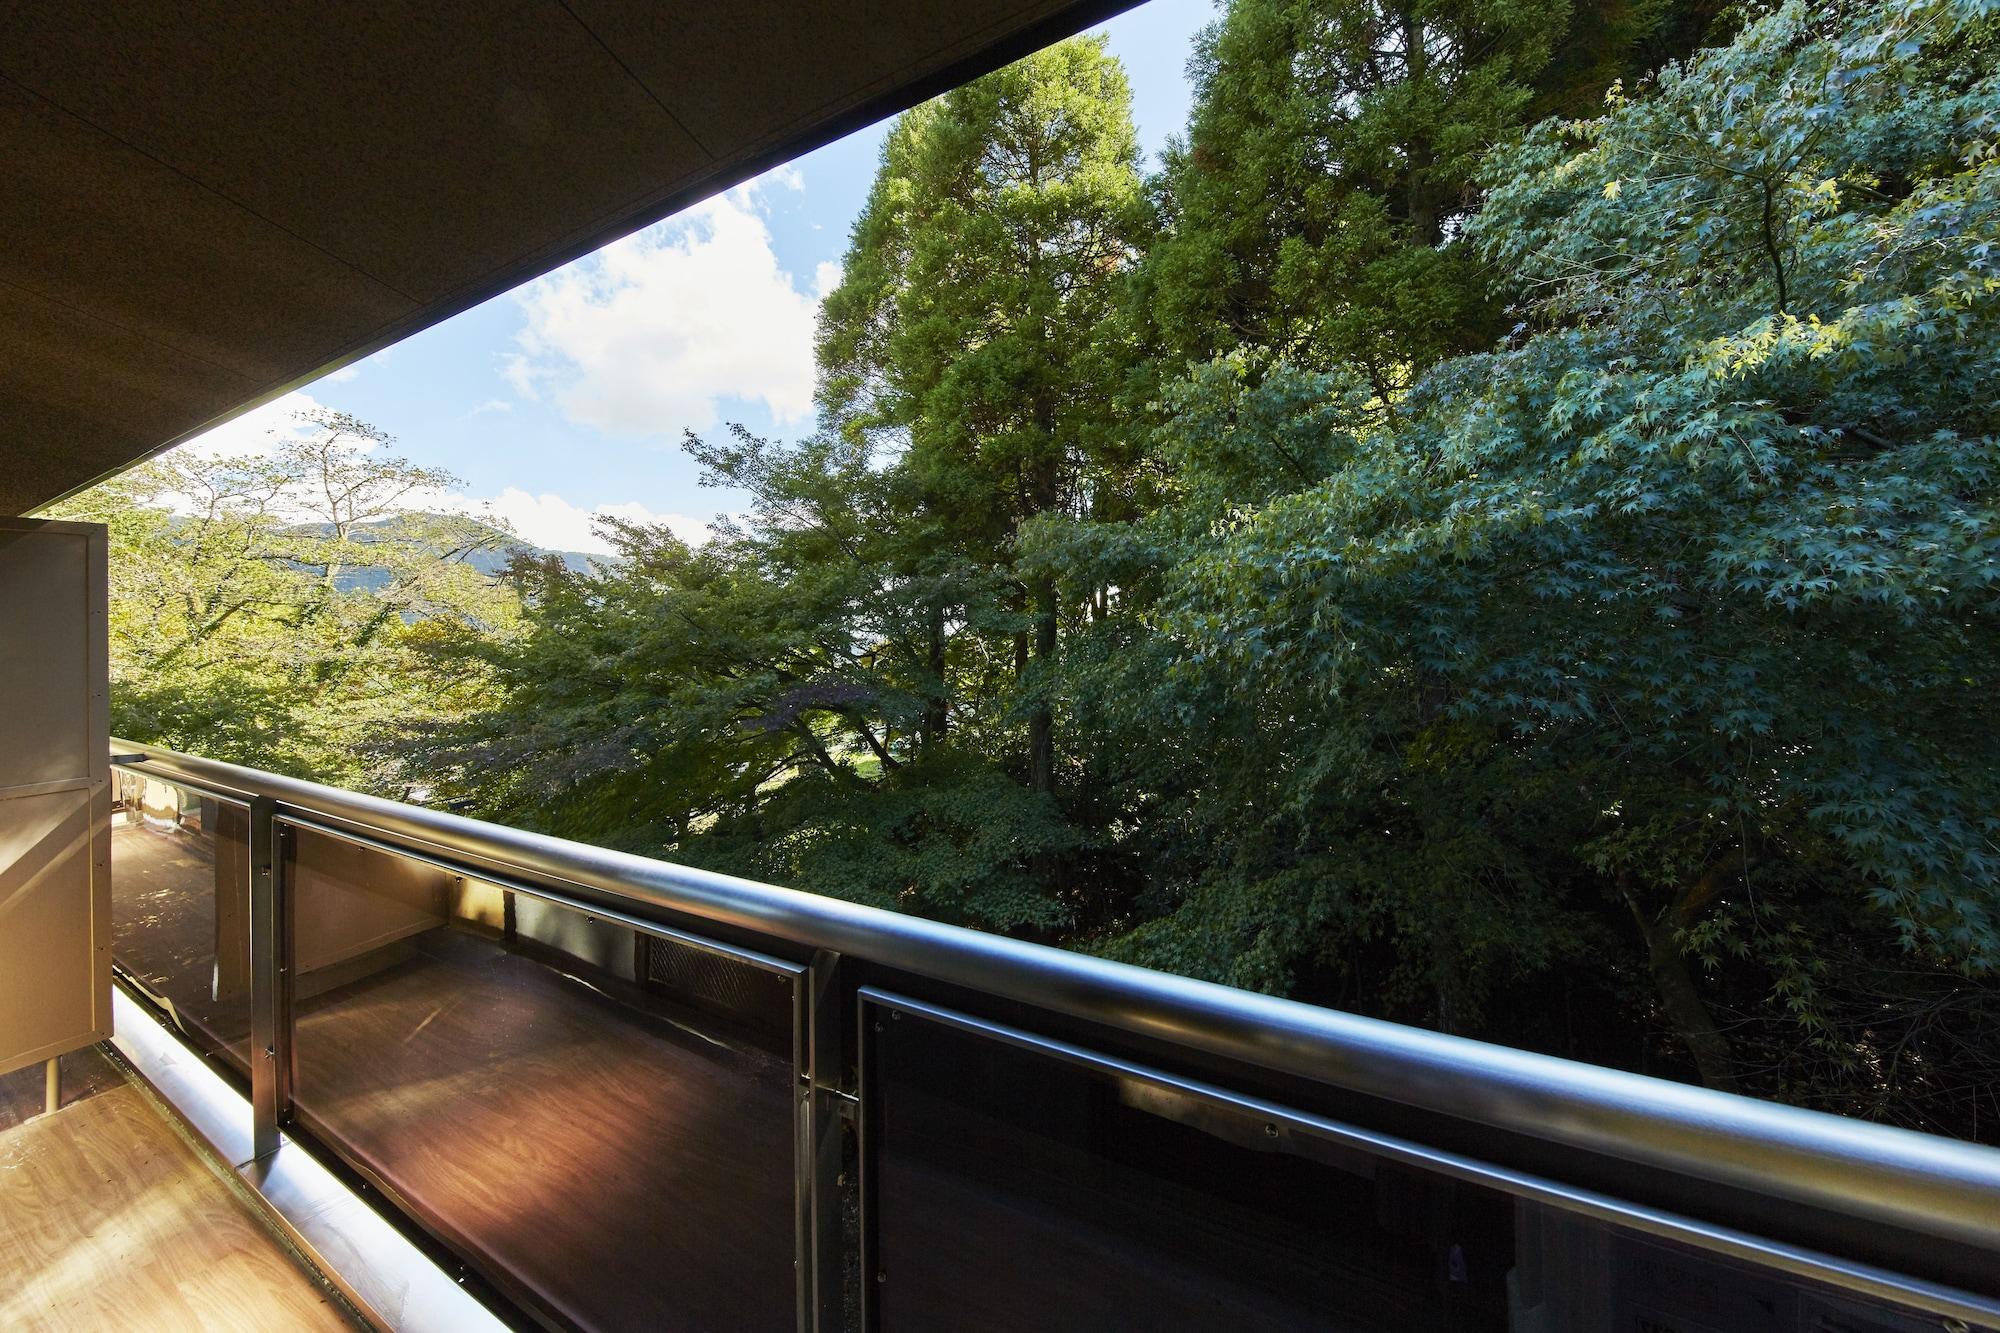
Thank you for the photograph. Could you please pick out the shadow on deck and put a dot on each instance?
(109, 1218)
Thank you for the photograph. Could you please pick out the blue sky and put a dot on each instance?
(569, 395)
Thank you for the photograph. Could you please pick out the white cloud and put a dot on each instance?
(653, 334)
(550, 521)
(257, 431)
(344, 374)
(491, 405)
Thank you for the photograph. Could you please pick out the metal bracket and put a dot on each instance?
(270, 980)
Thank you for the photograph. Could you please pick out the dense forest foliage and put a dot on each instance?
(1499, 532)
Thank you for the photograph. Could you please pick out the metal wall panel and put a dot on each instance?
(55, 828)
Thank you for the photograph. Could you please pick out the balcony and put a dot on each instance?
(372, 1064)
(468, 1074)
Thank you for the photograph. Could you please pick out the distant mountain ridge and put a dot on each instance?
(488, 560)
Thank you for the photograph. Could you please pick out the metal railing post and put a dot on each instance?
(829, 1044)
(270, 978)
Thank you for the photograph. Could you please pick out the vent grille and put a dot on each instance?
(705, 980)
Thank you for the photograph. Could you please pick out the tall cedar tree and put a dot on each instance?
(1315, 208)
(974, 333)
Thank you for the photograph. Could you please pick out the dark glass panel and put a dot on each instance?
(180, 907)
(1012, 1189)
(599, 1119)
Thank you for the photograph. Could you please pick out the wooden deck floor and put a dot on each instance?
(109, 1219)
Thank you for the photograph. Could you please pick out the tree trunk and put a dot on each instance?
(1041, 724)
(1422, 208)
(1682, 1002)
(936, 717)
(1045, 494)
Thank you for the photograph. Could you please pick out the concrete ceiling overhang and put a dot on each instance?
(207, 204)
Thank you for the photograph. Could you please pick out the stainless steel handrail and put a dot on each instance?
(1870, 1173)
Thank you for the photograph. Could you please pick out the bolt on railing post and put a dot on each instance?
(270, 979)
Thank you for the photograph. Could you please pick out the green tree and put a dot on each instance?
(755, 704)
(279, 609)
(1677, 613)
(973, 337)
(1315, 209)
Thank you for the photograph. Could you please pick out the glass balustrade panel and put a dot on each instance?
(1009, 1188)
(180, 908)
(598, 1119)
